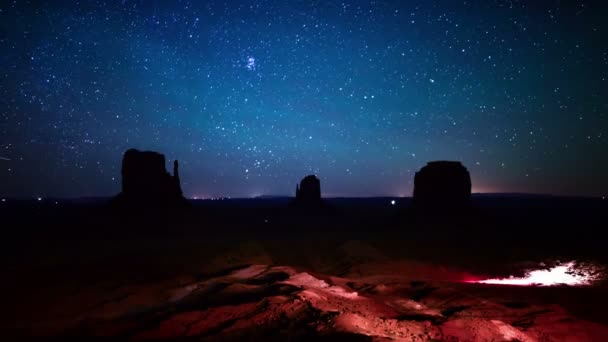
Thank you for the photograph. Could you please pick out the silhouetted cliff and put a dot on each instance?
(309, 189)
(444, 184)
(145, 180)
(308, 194)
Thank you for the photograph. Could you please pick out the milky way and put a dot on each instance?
(251, 96)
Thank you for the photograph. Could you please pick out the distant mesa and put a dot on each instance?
(442, 184)
(145, 180)
(309, 189)
(308, 193)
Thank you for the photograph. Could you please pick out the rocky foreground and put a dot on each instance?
(262, 302)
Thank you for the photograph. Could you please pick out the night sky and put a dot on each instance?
(250, 96)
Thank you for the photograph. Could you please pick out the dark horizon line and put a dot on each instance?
(195, 198)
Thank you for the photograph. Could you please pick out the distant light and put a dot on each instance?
(566, 274)
(393, 202)
(39, 198)
(4, 200)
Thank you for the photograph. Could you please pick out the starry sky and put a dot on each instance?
(250, 96)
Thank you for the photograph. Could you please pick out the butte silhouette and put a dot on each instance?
(442, 185)
(146, 182)
(308, 194)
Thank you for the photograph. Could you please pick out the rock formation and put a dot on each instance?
(309, 190)
(308, 195)
(145, 180)
(443, 184)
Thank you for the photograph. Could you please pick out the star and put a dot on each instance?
(250, 63)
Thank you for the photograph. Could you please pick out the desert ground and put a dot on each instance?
(363, 269)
